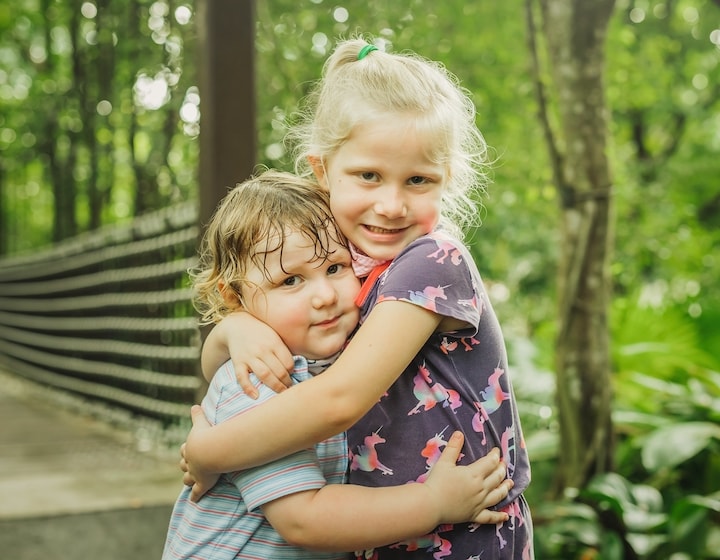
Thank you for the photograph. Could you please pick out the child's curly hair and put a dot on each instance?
(252, 220)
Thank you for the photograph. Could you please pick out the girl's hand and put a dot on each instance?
(464, 493)
(200, 481)
(253, 347)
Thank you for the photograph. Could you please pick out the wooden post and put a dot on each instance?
(226, 44)
(226, 38)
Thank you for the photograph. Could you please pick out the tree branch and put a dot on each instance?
(556, 158)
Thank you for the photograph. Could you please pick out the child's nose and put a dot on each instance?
(324, 294)
(391, 204)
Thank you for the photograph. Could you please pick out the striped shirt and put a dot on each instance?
(227, 521)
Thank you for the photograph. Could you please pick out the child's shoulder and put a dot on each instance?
(225, 385)
(436, 245)
(225, 379)
(225, 397)
(436, 239)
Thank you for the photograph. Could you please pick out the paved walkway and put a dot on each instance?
(64, 476)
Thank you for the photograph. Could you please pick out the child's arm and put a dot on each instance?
(342, 517)
(259, 349)
(318, 408)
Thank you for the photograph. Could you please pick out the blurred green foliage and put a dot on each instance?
(663, 86)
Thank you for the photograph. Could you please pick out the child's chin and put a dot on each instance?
(323, 353)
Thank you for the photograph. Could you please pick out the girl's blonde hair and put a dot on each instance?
(353, 91)
(252, 220)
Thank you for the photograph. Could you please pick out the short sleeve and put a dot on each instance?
(433, 272)
(296, 473)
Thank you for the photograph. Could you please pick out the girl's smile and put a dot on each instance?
(385, 191)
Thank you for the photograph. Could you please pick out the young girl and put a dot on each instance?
(393, 140)
(273, 248)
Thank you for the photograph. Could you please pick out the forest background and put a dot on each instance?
(100, 119)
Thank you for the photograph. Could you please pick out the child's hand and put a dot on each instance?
(258, 349)
(253, 347)
(464, 493)
(200, 481)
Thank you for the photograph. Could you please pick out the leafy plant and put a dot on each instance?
(663, 501)
(614, 519)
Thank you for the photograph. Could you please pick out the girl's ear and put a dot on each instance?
(318, 167)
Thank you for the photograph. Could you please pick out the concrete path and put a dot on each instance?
(73, 487)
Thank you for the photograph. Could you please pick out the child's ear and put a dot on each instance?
(228, 294)
(318, 167)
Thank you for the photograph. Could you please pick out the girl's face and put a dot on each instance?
(384, 190)
(308, 301)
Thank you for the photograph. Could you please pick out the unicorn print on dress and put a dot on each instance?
(433, 542)
(429, 393)
(366, 459)
(467, 343)
(445, 250)
(515, 518)
(428, 296)
(493, 396)
(507, 447)
(432, 451)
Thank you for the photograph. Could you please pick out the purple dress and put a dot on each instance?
(458, 381)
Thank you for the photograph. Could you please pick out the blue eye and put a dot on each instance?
(418, 180)
(291, 281)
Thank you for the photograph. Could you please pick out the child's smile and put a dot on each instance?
(384, 190)
(308, 301)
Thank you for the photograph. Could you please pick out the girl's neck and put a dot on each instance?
(362, 263)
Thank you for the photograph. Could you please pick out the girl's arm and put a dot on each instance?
(258, 349)
(342, 517)
(318, 408)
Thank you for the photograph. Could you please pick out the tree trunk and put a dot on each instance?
(574, 32)
(61, 161)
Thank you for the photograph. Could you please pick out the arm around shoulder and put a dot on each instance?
(253, 346)
(326, 405)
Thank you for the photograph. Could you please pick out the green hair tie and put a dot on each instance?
(366, 50)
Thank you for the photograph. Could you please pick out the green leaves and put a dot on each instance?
(615, 519)
(669, 446)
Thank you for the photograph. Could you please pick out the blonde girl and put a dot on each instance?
(392, 138)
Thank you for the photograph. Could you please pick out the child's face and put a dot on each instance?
(384, 190)
(309, 302)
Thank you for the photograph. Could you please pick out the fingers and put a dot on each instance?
(270, 371)
(198, 420)
(269, 368)
(196, 493)
(488, 516)
(281, 363)
(243, 377)
(195, 412)
(495, 496)
(497, 475)
(286, 364)
(452, 450)
(499, 492)
(487, 464)
(199, 489)
(183, 460)
(274, 369)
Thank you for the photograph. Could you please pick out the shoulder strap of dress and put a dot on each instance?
(369, 282)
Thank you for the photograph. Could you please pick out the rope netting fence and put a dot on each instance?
(107, 316)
